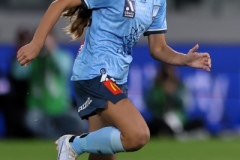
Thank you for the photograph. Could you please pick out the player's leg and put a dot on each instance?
(128, 120)
(130, 131)
(96, 123)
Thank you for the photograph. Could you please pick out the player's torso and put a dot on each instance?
(124, 22)
(110, 37)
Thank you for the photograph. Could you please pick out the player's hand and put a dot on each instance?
(198, 60)
(27, 53)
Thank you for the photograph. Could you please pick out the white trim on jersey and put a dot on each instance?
(158, 29)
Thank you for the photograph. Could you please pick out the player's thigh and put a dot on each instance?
(126, 117)
(95, 123)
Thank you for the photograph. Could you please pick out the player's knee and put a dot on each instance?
(140, 140)
(137, 140)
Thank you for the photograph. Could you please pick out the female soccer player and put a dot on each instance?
(101, 68)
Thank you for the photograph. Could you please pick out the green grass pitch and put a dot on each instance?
(157, 149)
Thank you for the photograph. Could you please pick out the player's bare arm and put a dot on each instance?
(27, 53)
(159, 50)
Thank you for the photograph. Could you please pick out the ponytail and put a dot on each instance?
(79, 19)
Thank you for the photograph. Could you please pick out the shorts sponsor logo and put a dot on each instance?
(111, 86)
(85, 105)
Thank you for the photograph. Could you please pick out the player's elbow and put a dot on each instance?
(155, 52)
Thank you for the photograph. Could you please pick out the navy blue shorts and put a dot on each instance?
(93, 94)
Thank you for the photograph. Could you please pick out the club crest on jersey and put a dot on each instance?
(103, 71)
(129, 9)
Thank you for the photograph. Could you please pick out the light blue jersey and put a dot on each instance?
(115, 28)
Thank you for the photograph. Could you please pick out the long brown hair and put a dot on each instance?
(79, 19)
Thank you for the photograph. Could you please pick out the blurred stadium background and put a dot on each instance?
(214, 97)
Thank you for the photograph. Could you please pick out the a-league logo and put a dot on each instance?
(129, 9)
